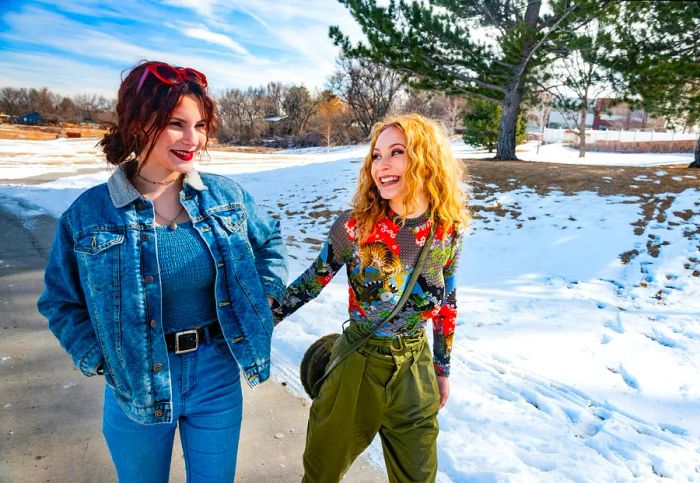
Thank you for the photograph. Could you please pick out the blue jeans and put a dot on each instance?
(207, 404)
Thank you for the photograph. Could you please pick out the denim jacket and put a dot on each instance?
(102, 293)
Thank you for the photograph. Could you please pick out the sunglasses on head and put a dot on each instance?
(171, 76)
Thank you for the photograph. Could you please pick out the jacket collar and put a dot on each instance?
(122, 192)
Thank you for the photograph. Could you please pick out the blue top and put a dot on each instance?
(188, 274)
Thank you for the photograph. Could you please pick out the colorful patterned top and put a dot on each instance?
(379, 268)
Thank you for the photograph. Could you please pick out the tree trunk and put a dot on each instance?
(696, 161)
(505, 149)
(582, 130)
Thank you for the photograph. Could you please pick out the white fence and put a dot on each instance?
(568, 136)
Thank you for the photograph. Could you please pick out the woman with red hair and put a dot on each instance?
(160, 280)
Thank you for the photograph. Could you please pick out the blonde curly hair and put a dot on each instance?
(430, 167)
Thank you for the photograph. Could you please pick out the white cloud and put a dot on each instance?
(204, 8)
(216, 38)
(53, 30)
(247, 43)
(64, 76)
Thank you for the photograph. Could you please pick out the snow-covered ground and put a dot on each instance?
(560, 153)
(568, 364)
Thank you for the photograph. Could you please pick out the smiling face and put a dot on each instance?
(176, 146)
(389, 165)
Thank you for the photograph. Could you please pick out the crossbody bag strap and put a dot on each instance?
(397, 308)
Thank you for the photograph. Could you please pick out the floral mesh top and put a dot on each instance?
(378, 269)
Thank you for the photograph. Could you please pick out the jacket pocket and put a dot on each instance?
(233, 227)
(99, 252)
(94, 242)
(232, 221)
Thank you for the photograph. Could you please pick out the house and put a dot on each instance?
(613, 115)
(33, 118)
(606, 114)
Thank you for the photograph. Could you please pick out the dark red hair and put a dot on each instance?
(142, 115)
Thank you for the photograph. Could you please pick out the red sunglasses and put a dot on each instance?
(171, 76)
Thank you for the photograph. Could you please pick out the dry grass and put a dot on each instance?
(240, 149)
(654, 193)
(46, 133)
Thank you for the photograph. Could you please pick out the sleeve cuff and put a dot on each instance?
(441, 369)
(91, 360)
(274, 290)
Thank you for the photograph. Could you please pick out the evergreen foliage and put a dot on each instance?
(487, 49)
(481, 125)
(657, 54)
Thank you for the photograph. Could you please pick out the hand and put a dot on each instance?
(444, 389)
(270, 300)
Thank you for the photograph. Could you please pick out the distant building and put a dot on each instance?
(607, 114)
(33, 118)
(559, 119)
(613, 115)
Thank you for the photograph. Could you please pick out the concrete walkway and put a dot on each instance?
(50, 415)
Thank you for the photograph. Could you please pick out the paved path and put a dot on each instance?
(50, 415)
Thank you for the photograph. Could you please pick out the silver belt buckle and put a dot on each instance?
(185, 333)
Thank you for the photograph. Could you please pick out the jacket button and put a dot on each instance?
(148, 279)
(157, 367)
(145, 237)
(224, 303)
(158, 413)
(220, 265)
(153, 323)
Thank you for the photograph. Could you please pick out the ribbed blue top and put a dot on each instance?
(187, 276)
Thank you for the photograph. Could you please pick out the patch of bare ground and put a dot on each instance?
(571, 179)
(212, 146)
(653, 188)
(46, 133)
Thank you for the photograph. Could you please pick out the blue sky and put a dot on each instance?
(82, 46)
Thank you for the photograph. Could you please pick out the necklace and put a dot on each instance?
(170, 181)
(171, 223)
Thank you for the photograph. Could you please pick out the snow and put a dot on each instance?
(568, 364)
(564, 154)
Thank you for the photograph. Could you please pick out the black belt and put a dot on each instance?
(189, 340)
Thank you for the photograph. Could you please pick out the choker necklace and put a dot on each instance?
(171, 181)
(171, 223)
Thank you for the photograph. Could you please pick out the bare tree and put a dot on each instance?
(582, 73)
(87, 106)
(437, 105)
(14, 102)
(368, 89)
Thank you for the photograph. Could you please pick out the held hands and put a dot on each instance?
(444, 389)
(273, 304)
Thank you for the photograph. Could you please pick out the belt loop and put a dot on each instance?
(401, 347)
(207, 333)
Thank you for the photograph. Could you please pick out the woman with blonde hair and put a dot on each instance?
(402, 235)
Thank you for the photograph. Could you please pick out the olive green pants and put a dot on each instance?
(387, 386)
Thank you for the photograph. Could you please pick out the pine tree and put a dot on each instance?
(658, 55)
(481, 124)
(488, 49)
